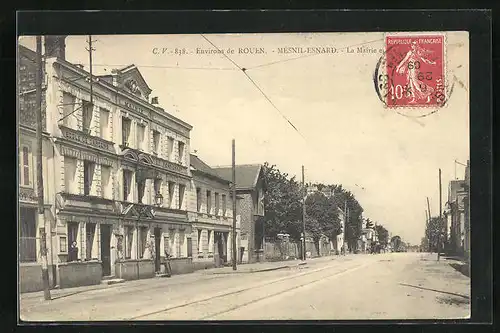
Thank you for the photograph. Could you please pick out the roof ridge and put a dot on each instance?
(237, 165)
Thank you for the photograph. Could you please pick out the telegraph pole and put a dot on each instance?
(430, 217)
(426, 226)
(39, 170)
(304, 193)
(234, 204)
(440, 240)
(90, 49)
(345, 228)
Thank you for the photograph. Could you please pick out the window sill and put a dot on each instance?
(133, 260)
(79, 262)
(30, 263)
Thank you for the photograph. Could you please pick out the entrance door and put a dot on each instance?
(157, 233)
(105, 249)
(220, 245)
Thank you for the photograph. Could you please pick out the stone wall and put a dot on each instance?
(30, 277)
(128, 269)
(76, 274)
(181, 266)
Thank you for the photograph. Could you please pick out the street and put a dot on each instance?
(383, 286)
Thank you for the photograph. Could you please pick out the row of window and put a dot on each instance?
(130, 248)
(169, 202)
(141, 140)
(90, 184)
(208, 201)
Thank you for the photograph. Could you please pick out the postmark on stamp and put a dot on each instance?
(412, 73)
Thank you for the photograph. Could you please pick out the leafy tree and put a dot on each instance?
(322, 217)
(283, 208)
(383, 234)
(434, 231)
(283, 203)
(396, 243)
(424, 244)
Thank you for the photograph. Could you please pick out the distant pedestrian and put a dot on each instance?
(73, 252)
(168, 268)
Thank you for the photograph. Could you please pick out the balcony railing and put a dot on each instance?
(84, 138)
(141, 156)
(27, 194)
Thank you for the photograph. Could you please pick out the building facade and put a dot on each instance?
(108, 158)
(250, 186)
(455, 216)
(467, 225)
(29, 223)
(340, 239)
(211, 217)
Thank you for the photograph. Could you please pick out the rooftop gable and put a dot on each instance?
(198, 165)
(247, 175)
(131, 79)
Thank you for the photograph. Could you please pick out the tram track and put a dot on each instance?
(241, 296)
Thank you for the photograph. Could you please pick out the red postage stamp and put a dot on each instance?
(415, 71)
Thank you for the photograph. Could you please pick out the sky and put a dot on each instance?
(343, 133)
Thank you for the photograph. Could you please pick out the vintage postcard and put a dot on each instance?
(270, 176)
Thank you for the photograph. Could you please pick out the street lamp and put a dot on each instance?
(158, 199)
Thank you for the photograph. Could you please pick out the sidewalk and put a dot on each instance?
(184, 278)
(268, 266)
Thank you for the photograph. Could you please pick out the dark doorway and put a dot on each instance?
(219, 243)
(105, 249)
(225, 238)
(157, 233)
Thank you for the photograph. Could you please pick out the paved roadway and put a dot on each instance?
(383, 286)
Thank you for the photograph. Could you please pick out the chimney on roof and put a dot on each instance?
(154, 100)
(55, 46)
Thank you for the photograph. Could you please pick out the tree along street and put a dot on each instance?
(283, 210)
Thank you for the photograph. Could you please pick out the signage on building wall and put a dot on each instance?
(87, 139)
(134, 107)
(169, 165)
(155, 117)
(82, 155)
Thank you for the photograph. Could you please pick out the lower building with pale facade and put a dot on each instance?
(211, 216)
(250, 187)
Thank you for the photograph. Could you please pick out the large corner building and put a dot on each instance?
(108, 159)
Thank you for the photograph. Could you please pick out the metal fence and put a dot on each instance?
(279, 250)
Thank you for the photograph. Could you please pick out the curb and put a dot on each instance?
(260, 270)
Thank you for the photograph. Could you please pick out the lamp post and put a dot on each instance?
(143, 211)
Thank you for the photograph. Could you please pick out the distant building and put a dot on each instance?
(250, 187)
(311, 189)
(340, 239)
(466, 202)
(455, 216)
(211, 215)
